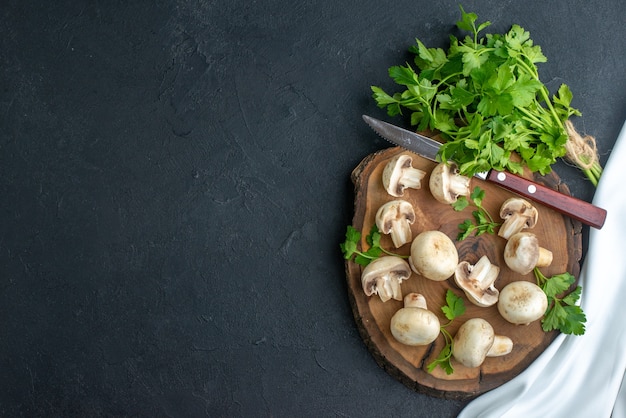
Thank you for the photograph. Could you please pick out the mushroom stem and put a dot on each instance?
(545, 257)
(412, 177)
(512, 225)
(459, 185)
(501, 346)
(484, 272)
(388, 289)
(400, 232)
(415, 300)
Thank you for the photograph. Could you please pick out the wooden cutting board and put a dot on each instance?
(558, 233)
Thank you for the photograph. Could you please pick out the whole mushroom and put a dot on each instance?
(433, 255)
(522, 302)
(522, 253)
(383, 276)
(395, 218)
(446, 184)
(475, 340)
(399, 174)
(414, 324)
(477, 281)
(518, 214)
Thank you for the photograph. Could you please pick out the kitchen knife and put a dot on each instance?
(428, 148)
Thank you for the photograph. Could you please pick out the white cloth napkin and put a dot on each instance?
(580, 376)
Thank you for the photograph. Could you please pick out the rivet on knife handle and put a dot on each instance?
(575, 208)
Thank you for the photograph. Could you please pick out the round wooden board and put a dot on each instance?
(558, 233)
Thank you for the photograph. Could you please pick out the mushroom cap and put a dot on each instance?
(472, 342)
(446, 184)
(414, 325)
(383, 276)
(521, 252)
(433, 255)
(477, 281)
(518, 214)
(395, 218)
(399, 174)
(522, 302)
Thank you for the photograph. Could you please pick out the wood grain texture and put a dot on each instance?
(408, 364)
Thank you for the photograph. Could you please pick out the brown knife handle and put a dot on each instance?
(575, 208)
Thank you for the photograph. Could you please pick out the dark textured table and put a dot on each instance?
(174, 182)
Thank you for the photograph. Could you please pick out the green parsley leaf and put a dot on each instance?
(455, 306)
(428, 58)
(483, 221)
(562, 314)
(350, 247)
(442, 360)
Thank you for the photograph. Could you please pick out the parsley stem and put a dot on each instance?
(394, 254)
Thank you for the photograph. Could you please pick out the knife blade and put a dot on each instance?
(428, 148)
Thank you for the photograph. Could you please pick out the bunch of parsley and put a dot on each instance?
(484, 96)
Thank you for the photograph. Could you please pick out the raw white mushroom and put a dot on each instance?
(522, 302)
(433, 255)
(399, 174)
(383, 276)
(522, 253)
(475, 340)
(518, 214)
(414, 324)
(395, 219)
(446, 184)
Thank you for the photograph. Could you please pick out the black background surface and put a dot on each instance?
(174, 180)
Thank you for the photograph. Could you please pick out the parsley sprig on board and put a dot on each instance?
(563, 313)
(484, 96)
(454, 308)
(350, 248)
(483, 221)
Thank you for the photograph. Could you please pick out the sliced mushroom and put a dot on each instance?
(399, 174)
(383, 277)
(518, 214)
(475, 340)
(446, 184)
(433, 255)
(395, 218)
(522, 302)
(522, 253)
(477, 281)
(415, 324)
